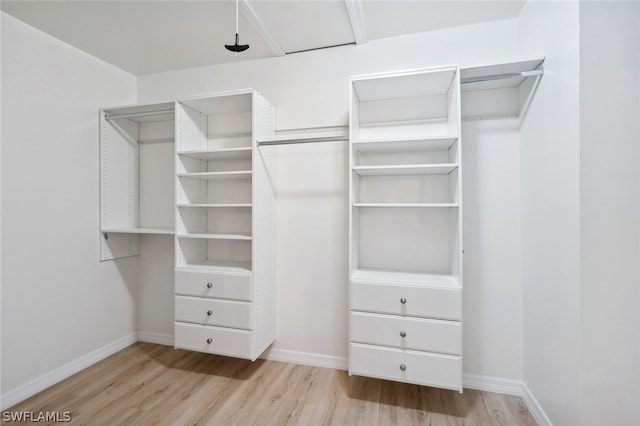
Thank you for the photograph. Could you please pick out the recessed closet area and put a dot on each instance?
(457, 209)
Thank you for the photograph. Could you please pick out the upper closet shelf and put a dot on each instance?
(391, 145)
(403, 85)
(142, 113)
(499, 91)
(166, 231)
(405, 170)
(217, 175)
(370, 275)
(224, 154)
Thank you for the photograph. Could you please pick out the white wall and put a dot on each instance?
(311, 89)
(493, 264)
(581, 213)
(550, 154)
(59, 303)
(610, 212)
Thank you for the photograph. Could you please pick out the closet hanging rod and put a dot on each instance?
(505, 76)
(304, 140)
(139, 114)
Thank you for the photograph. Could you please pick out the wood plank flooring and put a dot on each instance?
(147, 384)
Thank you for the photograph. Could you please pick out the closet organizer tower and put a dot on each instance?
(225, 254)
(405, 227)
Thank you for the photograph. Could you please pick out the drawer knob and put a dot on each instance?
(403, 367)
(209, 285)
(403, 334)
(403, 300)
(209, 340)
(209, 312)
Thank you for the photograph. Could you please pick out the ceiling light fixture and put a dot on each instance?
(236, 47)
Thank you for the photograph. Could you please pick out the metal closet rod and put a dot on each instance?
(505, 76)
(139, 114)
(303, 140)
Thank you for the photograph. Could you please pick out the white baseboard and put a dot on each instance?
(509, 387)
(306, 358)
(158, 338)
(535, 407)
(492, 384)
(46, 380)
(470, 381)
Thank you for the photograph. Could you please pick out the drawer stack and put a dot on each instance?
(214, 313)
(406, 332)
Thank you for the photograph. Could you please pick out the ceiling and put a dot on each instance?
(146, 37)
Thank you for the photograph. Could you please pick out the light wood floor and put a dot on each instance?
(158, 385)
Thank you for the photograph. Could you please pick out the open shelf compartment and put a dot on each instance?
(413, 104)
(137, 151)
(423, 241)
(221, 254)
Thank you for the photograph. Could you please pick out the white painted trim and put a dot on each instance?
(306, 358)
(492, 384)
(248, 12)
(157, 338)
(46, 380)
(534, 407)
(356, 16)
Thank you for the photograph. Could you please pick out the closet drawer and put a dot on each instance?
(407, 333)
(224, 313)
(215, 340)
(223, 286)
(407, 299)
(444, 371)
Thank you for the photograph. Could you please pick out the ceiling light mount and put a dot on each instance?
(236, 47)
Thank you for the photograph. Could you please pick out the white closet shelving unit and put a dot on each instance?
(137, 152)
(405, 259)
(225, 260)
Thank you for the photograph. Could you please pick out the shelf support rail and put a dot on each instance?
(139, 114)
(505, 76)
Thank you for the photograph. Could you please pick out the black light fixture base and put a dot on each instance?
(236, 47)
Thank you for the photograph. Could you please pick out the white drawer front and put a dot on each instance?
(407, 333)
(444, 371)
(224, 313)
(222, 286)
(215, 340)
(412, 300)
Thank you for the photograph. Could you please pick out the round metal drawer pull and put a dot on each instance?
(403, 300)
(209, 340)
(403, 367)
(403, 334)
(209, 312)
(209, 285)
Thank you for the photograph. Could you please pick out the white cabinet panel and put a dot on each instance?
(216, 340)
(407, 333)
(413, 300)
(221, 286)
(224, 313)
(444, 371)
